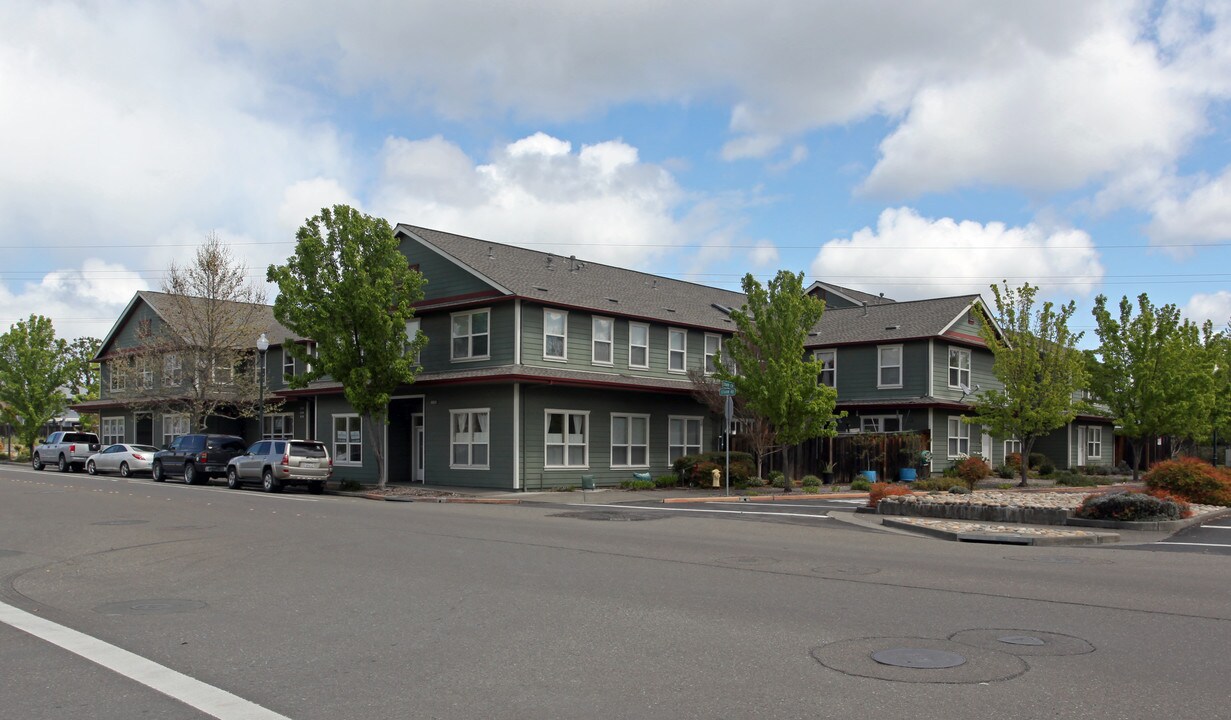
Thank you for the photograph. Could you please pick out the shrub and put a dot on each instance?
(883, 490)
(1007, 472)
(702, 473)
(960, 490)
(666, 481)
(1069, 479)
(1036, 460)
(1013, 460)
(1004, 486)
(1047, 468)
(810, 480)
(972, 470)
(1186, 510)
(350, 486)
(1192, 480)
(777, 479)
(861, 485)
(1131, 506)
(755, 482)
(742, 466)
(935, 483)
(637, 484)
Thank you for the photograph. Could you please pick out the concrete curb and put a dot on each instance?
(1004, 538)
(1148, 526)
(767, 498)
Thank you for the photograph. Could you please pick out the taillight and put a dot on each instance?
(203, 457)
(137, 456)
(72, 448)
(286, 460)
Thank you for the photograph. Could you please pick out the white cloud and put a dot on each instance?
(764, 254)
(600, 202)
(1215, 307)
(909, 256)
(80, 301)
(306, 198)
(1204, 215)
(750, 146)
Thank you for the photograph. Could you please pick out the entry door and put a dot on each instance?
(985, 446)
(1081, 445)
(417, 442)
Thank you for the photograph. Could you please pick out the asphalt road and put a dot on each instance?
(308, 607)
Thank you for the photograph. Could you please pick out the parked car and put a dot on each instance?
(196, 457)
(278, 463)
(122, 458)
(68, 449)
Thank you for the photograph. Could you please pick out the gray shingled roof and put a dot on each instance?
(527, 373)
(888, 322)
(857, 295)
(276, 332)
(583, 284)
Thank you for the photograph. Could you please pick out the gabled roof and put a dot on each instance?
(890, 321)
(276, 332)
(574, 283)
(855, 296)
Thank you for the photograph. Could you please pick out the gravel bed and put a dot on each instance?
(992, 528)
(1001, 498)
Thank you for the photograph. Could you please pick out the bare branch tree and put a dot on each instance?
(755, 434)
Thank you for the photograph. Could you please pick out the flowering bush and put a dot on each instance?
(1013, 460)
(1132, 506)
(972, 470)
(1192, 480)
(883, 490)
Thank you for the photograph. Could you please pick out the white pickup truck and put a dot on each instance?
(66, 449)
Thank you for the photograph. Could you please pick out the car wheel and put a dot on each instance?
(36, 462)
(157, 472)
(62, 464)
(124, 470)
(270, 483)
(190, 474)
(233, 478)
(316, 487)
(89, 467)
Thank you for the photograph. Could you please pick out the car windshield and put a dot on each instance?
(307, 450)
(228, 444)
(144, 448)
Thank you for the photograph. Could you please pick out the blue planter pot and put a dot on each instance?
(906, 474)
(869, 475)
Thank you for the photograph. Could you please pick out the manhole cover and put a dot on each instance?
(1061, 560)
(8, 553)
(609, 515)
(922, 658)
(121, 522)
(149, 607)
(1023, 642)
(918, 660)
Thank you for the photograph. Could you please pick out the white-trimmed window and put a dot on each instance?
(412, 332)
(1094, 443)
(638, 345)
(469, 334)
(347, 439)
(677, 350)
(828, 360)
(880, 423)
(118, 378)
(555, 334)
(1012, 445)
(959, 437)
(713, 350)
(567, 439)
(146, 374)
(279, 426)
(602, 342)
(288, 364)
(959, 368)
(630, 441)
(172, 370)
(888, 366)
(173, 426)
(683, 437)
(223, 373)
(111, 430)
(469, 438)
(311, 347)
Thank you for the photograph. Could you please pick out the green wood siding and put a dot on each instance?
(498, 400)
(858, 370)
(981, 362)
(445, 278)
(437, 354)
(327, 407)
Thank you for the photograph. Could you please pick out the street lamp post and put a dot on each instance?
(262, 346)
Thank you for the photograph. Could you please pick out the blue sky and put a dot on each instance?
(899, 147)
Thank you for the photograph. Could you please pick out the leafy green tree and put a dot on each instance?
(1220, 350)
(34, 370)
(83, 374)
(1153, 371)
(349, 288)
(768, 365)
(1039, 368)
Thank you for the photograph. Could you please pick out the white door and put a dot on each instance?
(985, 446)
(1081, 445)
(417, 443)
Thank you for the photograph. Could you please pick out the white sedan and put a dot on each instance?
(122, 458)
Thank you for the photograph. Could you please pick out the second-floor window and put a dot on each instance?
(146, 374)
(172, 370)
(555, 334)
(603, 339)
(470, 335)
(412, 332)
(638, 345)
(118, 379)
(713, 348)
(828, 360)
(889, 366)
(288, 364)
(677, 350)
(223, 373)
(959, 368)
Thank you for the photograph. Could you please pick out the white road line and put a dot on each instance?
(192, 692)
(783, 504)
(729, 512)
(1197, 544)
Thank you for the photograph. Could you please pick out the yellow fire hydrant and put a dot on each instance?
(716, 474)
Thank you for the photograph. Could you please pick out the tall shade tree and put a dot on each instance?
(35, 368)
(1153, 371)
(771, 372)
(197, 357)
(350, 289)
(1040, 370)
(1220, 349)
(83, 383)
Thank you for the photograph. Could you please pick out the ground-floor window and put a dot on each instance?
(173, 426)
(469, 438)
(112, 430)
(630, 440)
(1012, 445)
(347, 440)
(881, 423)
(1094, 443)
(279, 426)
(683, 437)
(959, 437)
(567, 441)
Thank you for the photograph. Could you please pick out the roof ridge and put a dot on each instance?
(900, 303)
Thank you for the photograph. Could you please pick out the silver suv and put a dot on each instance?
(278, 463)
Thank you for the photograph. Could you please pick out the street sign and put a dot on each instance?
(727, 389)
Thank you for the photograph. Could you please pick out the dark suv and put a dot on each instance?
(197, 457)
